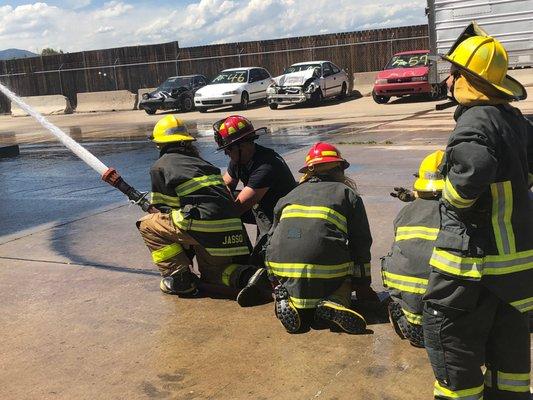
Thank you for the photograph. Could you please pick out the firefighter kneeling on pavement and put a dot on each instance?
(319, 247)
(405, 270)
(196, 216)
(481, 284)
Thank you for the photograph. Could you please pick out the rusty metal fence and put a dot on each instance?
(136, 67)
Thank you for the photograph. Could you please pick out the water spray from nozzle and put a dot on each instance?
(107, 174)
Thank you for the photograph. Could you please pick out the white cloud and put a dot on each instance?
(118, 23)
(104, 29)
(113, 9)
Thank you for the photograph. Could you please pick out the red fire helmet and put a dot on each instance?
(233, 129)
(321, 153)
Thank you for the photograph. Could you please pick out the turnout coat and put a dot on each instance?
(405, 270)
(486, 231)
(320, 237)
(193, 192)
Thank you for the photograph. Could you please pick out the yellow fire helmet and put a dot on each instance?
(429, 177)
(170, 129)
(484, 58)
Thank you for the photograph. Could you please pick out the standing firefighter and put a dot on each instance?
(319, 246)
(481, 284)
(405, 270)
(263, 172)
(196, 213)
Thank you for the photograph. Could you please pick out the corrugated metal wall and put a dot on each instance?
(136, 67)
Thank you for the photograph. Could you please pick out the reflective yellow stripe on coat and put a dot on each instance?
(502, 211)
(329, 214)
(416, 232)
(405, 283)
(301, 270)
(452, 197)
(218, 225)
(227, 251)
(160, 198)
(472, 267)
(194, 184)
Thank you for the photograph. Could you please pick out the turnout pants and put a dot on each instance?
(167, 244)
(465, 327)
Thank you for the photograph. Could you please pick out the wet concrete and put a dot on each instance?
(81, 312)
(51, 183)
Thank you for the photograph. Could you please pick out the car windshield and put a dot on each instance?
(408, 61)
(231, 77)
(301, 67)
(172, 83)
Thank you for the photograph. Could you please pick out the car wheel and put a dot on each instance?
(436, 92)
(202, 109)
(344, 91)
(317, 97)
(150, 111)
(187, 104)
(245, 101)
(380, 99)
(273, 106)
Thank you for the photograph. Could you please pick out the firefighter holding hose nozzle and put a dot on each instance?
(196, 215)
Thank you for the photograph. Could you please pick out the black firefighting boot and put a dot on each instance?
(416, 335)
(404, 328)
(257, 291)
(397, 318)
(348, 320)
(285, 310)
(182, 283)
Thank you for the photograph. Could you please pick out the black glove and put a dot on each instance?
(403, 194)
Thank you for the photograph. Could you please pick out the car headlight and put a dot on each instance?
(198, 94)
(380, 81)
(419, 78)
(271, 89)
(146, 96)
(230, 93)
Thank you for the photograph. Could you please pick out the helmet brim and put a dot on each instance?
(252, 135)
(174, 139)
(344, 164)
(509, 86)
(428, 185)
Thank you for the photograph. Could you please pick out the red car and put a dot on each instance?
(406, 73)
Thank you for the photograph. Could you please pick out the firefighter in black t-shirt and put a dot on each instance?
(264, 174)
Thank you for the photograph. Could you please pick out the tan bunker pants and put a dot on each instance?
(166, 243)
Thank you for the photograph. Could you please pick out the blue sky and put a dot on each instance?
(75, 25)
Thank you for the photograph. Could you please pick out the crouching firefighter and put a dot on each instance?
(196, 217)
(319, 246)
(405, 270)
(480, 287)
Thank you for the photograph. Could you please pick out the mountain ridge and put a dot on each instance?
(9, 54)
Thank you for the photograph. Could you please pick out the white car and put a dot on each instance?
(308, 81)
(234, 87)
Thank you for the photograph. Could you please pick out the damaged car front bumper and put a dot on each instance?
(281, 95)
